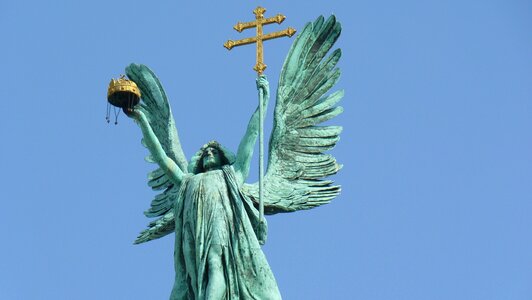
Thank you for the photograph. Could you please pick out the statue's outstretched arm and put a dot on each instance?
(156, 150)
(247, 144)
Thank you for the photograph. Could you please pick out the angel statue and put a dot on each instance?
(207, 203)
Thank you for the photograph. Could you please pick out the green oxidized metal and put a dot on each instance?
(206, 203)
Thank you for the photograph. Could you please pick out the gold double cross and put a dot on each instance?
(258, 23)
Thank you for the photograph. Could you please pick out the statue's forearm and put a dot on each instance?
(247, 144)
(253, 125)
(156, 150)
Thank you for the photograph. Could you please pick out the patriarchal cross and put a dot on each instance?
(258, 23)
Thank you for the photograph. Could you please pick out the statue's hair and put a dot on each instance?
(196, 162)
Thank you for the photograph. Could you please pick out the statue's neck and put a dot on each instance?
(213, 169)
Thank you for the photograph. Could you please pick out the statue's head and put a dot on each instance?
(211, 159)
(211, 156)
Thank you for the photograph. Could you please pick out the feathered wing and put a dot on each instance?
(297, 163)
(155, 106)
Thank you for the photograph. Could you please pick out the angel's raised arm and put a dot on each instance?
(157, 152)
(247, 144)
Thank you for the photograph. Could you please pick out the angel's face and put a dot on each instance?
(211, 159)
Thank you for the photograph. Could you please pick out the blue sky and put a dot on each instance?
(436, 200)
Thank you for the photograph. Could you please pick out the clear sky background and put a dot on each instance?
(437, 144)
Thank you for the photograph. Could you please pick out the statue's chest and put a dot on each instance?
(208, 187)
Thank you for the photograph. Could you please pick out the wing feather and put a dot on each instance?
(158, 228)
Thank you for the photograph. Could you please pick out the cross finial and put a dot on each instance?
(259, 12)
(259, 22)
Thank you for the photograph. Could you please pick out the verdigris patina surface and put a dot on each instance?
(206, 202)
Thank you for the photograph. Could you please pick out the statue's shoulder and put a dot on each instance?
(229, 170)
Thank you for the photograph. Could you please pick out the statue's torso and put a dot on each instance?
(207, 208)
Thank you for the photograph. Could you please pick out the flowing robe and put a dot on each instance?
(210, 211)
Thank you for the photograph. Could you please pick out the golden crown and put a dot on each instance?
(122, 85)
